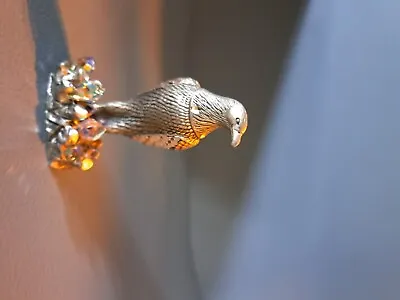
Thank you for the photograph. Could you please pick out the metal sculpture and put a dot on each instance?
(175, 115)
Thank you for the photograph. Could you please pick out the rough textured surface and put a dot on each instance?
(176, 115)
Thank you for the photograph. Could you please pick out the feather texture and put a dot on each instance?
(175, 115)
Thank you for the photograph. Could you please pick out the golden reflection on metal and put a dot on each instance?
(175, 115)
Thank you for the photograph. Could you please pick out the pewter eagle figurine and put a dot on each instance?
(176, 115)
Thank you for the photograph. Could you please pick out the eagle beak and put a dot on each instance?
(236, 137)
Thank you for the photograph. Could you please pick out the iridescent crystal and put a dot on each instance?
(87, 63)
(96, 89)
(70, 75)
(90, 90)
(99, 91)
(90, 130)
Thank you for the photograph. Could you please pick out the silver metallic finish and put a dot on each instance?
(175, 115)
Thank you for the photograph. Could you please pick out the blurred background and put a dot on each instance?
(307, 208)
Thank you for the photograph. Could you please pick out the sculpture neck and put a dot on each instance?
(208, 113)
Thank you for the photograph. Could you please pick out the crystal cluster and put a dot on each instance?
(74, 136)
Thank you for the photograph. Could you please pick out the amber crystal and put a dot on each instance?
(65, 94)
(90, 130)
(97, 144)
(78, 141)
(86, 164)
(73, 136)
(92, 154)
(72, 153)
(68, 136)
(59, 164)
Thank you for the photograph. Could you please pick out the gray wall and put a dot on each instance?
(320, 219)
(237, 48)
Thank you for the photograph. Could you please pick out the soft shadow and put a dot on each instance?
(51, 48)
(237, 49)
(84, 200)
(100, 234)
(132, 279)
(245, 59)
(88, 211)
(89, 197)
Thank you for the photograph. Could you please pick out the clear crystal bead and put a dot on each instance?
(70, 75)
(90, 90)
(65, 73)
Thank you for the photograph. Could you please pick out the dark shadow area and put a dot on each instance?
(84, 205)
(50, 46)
(322, 216)
(134, 234)
(176, 26)
(237, 49)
